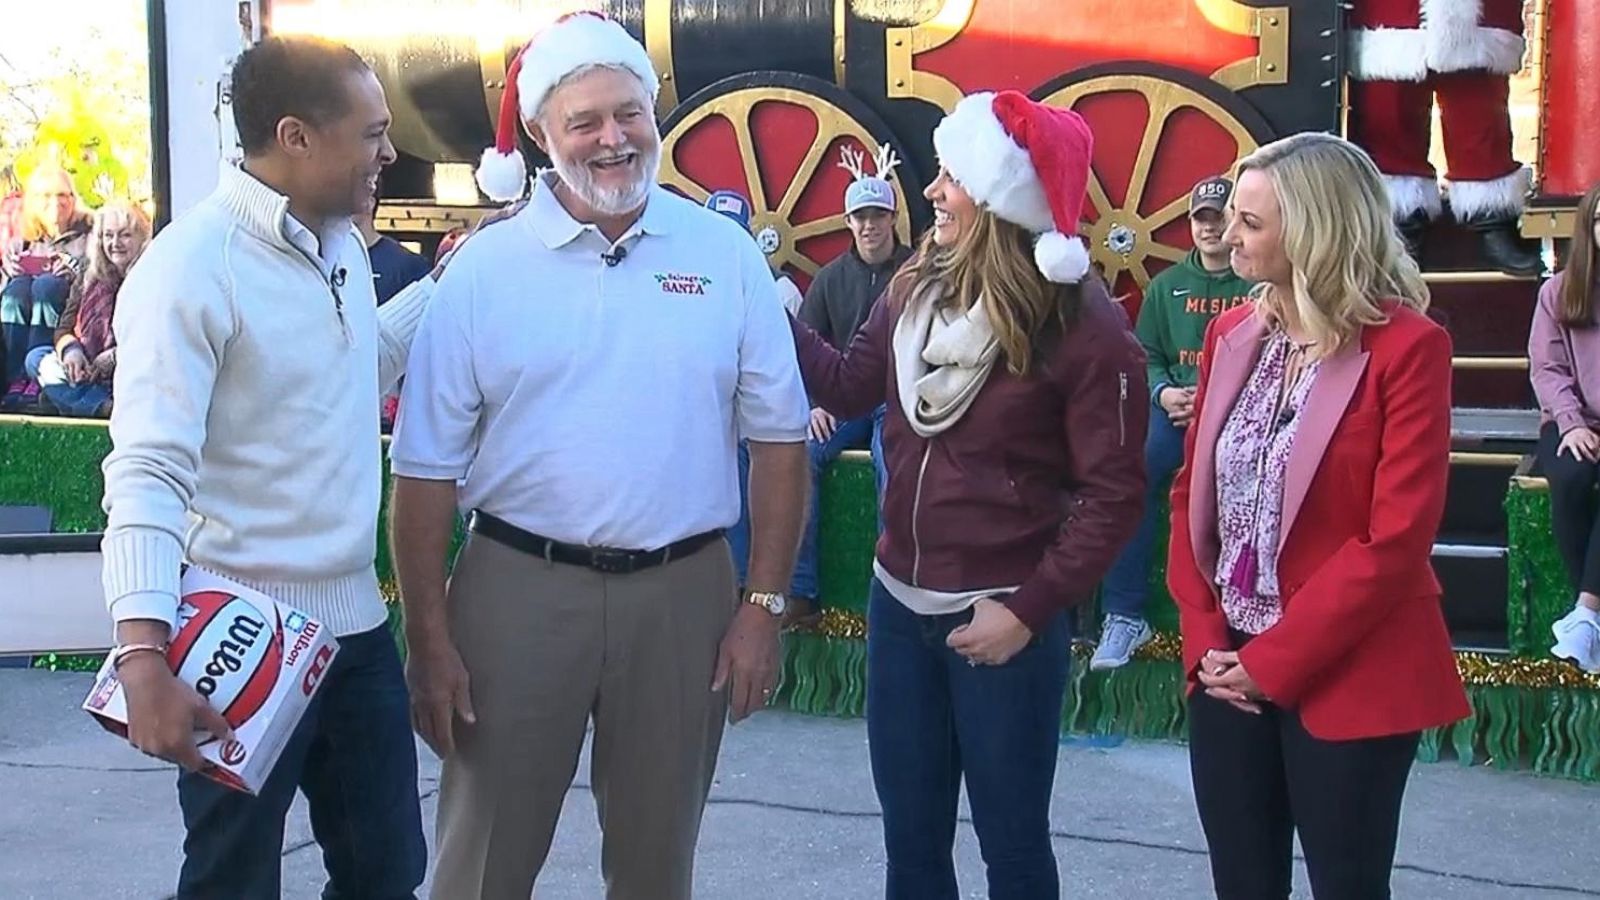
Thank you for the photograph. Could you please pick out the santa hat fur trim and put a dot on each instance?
(977, 152)
(1028, 164)
(573, 42)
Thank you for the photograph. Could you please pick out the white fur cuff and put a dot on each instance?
(1388, 54)
(1412, 194)
(1497, 198)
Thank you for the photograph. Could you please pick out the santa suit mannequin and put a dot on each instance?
(1406, 53)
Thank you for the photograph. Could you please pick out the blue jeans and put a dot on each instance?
(81, 400)
(1127, 584)
(354, 758)
(879, 466)
(933, 720)
(850, 433)
(30, 306)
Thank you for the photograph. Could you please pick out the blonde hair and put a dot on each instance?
(34, 227)
(992, 260)
(113, 215)
(1339, 235)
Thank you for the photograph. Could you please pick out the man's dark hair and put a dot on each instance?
(289, 76)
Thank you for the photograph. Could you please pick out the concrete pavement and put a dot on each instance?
(792, 816)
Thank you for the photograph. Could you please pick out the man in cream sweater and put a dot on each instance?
(251, 359)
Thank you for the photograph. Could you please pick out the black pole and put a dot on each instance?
(160, 153)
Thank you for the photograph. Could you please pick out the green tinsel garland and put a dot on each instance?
(845, 547)
(1520, 712)
(1554, 731)
(1539, 590)
(55, 463)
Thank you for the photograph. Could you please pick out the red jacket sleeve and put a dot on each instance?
(1352, 591)
(853, 383)
(1106, 412)
(1200, 615)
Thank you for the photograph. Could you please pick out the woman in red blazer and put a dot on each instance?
(1302, 524)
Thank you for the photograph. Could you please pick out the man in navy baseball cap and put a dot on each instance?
(731, 204)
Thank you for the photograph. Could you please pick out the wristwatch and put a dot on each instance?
(770, 601)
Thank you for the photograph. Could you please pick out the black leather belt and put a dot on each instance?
(602, 559)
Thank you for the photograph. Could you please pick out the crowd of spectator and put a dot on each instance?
(61, 266)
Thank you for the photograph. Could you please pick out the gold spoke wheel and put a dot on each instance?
(1123, 236)
(772, 217)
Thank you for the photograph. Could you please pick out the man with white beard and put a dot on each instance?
(577, 390)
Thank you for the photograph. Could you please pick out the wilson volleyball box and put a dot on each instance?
(257, 661)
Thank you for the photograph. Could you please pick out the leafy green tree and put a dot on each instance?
(78, 97)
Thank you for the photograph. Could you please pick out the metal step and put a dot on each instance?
(1490, 363)
(1469, 551)
(1475, 276)
(1476, 424)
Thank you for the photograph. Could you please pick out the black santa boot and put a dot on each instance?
(1491, 208)
(1414, 231)
(1503, 246)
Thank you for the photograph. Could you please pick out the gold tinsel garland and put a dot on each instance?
(1477, 669)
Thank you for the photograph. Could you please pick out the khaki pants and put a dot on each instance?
(548, 647)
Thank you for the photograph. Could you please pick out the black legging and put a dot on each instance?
(1573, 509)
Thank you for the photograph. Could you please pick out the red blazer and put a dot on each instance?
(1362, 649)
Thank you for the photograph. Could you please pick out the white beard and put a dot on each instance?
(611, 201)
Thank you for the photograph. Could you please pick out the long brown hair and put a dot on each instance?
(1577, 292)
(993, 260)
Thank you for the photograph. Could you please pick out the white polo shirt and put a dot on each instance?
(599, 404)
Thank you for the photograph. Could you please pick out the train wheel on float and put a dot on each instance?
(776, 137)
(1157, 132)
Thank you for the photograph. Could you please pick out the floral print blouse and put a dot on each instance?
(1252, 456)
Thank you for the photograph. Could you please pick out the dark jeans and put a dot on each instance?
(933, 720)
(81, 400)
(1260, 778)
(850, 434)
(354, 758)
(880, 468)
(1127, 584)
(1573, 509)
(30, 306)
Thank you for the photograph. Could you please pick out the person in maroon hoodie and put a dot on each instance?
(1016, 413)
(1564, 362)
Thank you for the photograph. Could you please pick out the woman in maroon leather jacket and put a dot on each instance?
(1015, 416)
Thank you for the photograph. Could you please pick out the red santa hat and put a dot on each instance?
(574, 41)
(1027, 163)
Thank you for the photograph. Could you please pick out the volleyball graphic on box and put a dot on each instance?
(256, 661)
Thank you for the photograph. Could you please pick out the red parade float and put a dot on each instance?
(760, 98)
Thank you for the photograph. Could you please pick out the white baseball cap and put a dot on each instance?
(869, 192)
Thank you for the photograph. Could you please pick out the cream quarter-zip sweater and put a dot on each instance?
(251, 357)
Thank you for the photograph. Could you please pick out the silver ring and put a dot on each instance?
(972, 662)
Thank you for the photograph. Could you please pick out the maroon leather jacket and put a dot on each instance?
(1041, 482)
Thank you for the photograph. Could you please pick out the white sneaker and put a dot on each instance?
(1578, 638)
(1119, 637)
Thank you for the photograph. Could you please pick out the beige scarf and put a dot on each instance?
(942, 358)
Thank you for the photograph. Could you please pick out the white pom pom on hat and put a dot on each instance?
(572, 42)
(1028, 163)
